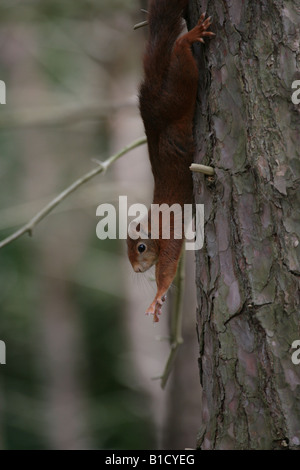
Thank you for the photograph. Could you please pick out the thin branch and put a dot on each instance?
(102, 166)
(140, 25)
(176, 320)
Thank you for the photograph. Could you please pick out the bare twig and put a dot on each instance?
(102, 166)
(140, 25)
(176, 320)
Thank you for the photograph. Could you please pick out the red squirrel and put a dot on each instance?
(167, 105)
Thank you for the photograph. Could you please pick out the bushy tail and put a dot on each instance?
(165, 25)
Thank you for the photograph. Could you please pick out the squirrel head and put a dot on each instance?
(142, 250)
(142, 253)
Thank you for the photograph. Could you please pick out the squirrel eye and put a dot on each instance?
(141, 248)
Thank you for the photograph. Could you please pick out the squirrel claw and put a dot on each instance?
(201, 28)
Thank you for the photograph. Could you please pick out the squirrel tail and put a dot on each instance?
(165, 25)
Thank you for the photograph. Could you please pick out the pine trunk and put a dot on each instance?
(248, 272)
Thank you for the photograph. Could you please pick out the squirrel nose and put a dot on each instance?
(138, 269)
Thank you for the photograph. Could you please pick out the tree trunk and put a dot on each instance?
(248, 271)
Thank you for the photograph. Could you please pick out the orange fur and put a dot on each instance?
(167, 104)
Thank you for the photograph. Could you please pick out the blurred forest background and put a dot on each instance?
(81, 355)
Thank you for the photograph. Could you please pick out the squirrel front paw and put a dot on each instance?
(155, 308)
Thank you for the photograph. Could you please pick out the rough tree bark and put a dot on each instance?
(249, 270)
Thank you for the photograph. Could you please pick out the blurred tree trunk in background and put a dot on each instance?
(182, 401)
(248, 272)
(60, 349)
